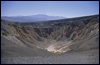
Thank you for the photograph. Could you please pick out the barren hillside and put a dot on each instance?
(74, 36)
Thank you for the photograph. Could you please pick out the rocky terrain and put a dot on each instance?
(46, 38)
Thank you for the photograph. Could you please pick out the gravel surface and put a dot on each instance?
(59, 59)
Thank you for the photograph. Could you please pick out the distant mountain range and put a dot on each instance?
(33, 18)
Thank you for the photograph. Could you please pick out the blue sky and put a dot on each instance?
(67, 9)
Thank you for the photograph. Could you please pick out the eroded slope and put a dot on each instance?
(58, 36)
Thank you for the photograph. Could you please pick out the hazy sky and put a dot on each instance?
(56, 8)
